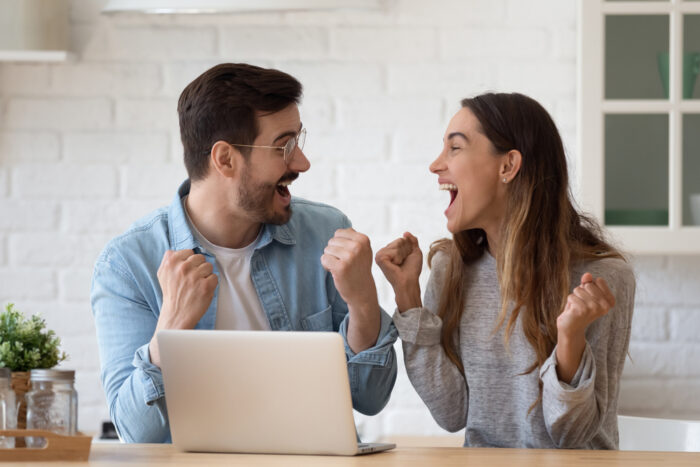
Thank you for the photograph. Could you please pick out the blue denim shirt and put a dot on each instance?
(294, 290)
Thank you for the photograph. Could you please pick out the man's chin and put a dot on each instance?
(279, 218)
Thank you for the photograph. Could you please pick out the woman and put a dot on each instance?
(526, 321)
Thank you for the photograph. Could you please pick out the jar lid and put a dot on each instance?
(5, 373)
(52, 375)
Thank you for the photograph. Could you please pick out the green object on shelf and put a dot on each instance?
(636, 217)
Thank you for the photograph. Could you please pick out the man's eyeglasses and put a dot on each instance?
(288, 149)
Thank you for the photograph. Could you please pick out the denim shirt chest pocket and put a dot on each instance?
(319, 321)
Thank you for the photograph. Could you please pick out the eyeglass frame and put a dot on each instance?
(287, 149)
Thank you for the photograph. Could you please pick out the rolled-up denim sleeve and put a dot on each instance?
(133, 385)
(372, 372)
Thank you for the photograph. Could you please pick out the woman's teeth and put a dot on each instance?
(448, 187)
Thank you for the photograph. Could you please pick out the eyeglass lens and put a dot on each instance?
(292, 143)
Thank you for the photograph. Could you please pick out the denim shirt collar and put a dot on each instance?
(181, 237)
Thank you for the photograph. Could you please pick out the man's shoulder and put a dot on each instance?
(318, 214)
(143, 236)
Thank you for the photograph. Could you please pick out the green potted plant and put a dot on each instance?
(26, 344)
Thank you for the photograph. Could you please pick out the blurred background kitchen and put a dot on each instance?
(89, 142)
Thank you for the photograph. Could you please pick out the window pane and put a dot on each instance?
(691, 56)
(636, 56)
(691, 169)
(636, 169)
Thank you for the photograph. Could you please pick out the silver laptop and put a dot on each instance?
(259, 392)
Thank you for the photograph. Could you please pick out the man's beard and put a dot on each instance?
(258, 199)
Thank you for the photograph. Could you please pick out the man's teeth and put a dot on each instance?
(285, 184)
(448, 187)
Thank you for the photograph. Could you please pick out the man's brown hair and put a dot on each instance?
(221, 105)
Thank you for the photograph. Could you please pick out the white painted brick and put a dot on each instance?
(116, 147)
(450, 12)
(318, 114)
(684, 400)
(379, 44)
(425, 220)
(564, 43)
(663, 360)
(4, 181)
(454, 81)
(19, 215)
(35, 113)
(20, 282)
(419, 147)
(55, 249)
(74, 284)
(365, 146)
(686, 266)
(68, 320)
(177, 75)
(266, 42)
(23, 147)
(90, 417)
(541, 12)
(97, 216)
(390, 113)
(138, 79)
(650, 324)
(82, 351)
(144, 114)
(65, 181)
(564, 114)
(541, 81)
(658, 287)
(23, 78)
(336, 79)
(159, 43)
(3, 250)
(319, 183)
(638, 397)
(89, 386)
(385, 181)
(487, 43)
(153, 181)
(368, 217)
(685, 325)
(381, 16)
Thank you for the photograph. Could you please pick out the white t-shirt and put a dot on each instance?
(238, 304)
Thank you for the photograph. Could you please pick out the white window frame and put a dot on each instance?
(592, 107)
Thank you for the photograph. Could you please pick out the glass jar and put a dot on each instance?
(8, 408)
(52, 404)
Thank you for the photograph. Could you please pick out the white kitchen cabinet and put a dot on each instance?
(639, 121)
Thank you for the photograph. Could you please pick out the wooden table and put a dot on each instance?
(158, 454)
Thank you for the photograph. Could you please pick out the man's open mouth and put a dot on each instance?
(283, 188)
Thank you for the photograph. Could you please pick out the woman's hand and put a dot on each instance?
(588, 302)
(401, 262)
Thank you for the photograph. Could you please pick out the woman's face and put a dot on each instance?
(468, 167)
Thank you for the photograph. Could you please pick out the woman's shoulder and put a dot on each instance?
(617, 272)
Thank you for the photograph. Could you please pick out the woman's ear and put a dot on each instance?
(510, 165)
(223, 159)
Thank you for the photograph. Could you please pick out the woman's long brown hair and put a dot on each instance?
(543, 234)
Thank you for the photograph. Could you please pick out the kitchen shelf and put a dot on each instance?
(35, 56)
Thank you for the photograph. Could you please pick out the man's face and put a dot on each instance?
(263, 191)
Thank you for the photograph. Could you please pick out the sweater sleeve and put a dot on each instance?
(574, 413)
(435, 378)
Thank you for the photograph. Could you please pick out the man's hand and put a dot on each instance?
(188, 283)
(401, 262)
(348, 257)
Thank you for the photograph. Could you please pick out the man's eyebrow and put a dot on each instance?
(457, 133)
(289, 133)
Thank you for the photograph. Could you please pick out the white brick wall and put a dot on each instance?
(89, 146)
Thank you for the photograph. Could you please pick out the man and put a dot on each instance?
(235, 251)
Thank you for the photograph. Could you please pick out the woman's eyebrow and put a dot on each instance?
(457, 133)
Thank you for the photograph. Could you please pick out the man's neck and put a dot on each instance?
(216, 221)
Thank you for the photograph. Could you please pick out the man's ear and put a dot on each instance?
(224, 158)
(510, 165)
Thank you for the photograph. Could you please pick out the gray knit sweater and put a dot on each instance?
(493, 397)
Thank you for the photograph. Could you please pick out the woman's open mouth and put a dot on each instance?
(453, 192)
